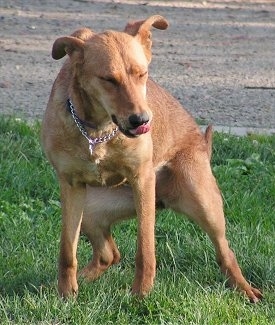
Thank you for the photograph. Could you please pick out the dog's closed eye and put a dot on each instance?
(110, 80)
(143, 74)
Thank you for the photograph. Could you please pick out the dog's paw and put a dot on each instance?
(254, 295)
(67, 282)
(142, 289)
(90, 273)
(67, 289)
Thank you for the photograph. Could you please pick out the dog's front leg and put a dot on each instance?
(144, 195)
(72, 203)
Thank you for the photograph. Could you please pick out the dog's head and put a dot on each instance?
(111, 69)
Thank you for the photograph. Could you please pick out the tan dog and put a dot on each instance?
(121, 128)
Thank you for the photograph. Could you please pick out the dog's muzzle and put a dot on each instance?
(137, 124)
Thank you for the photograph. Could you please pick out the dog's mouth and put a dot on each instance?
(141, 129)
(132, 132)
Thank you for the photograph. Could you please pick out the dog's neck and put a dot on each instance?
(93, 141)
(90, 112)
(71, 110)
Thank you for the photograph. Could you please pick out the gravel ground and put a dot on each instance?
(217, 57)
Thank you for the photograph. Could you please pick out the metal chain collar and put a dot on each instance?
(92, 141)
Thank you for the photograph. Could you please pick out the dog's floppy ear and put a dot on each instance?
(141, 29)
(135, 27)
(67, 45)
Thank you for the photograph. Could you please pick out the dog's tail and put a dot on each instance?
(208, 139)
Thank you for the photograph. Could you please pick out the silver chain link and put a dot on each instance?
(92, 141)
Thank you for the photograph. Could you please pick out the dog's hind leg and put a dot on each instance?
(104, 207)
(189, 187)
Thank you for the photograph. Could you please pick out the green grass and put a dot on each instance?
(189, 288)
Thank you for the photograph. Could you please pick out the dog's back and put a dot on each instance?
(173, 128)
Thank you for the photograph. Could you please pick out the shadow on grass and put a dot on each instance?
(32, 282)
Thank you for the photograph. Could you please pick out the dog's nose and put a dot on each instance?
(138, 119)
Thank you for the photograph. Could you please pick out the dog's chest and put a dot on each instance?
(79, 167)
(105, 176)
(94, 171)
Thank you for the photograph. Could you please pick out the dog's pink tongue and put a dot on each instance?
(144, 128)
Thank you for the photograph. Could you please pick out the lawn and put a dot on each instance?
(189, 288)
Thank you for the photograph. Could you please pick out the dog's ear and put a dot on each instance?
(135, 27)
(67, 45)
(141, 29)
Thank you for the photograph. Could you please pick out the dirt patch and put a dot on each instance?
(217, 57)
